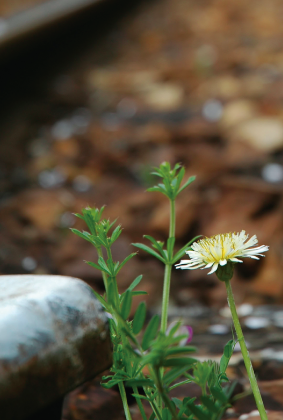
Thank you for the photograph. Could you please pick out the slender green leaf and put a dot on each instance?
(139, 318)
(115, 234)
(177, 402)
(150, 251)
(228, 351)
(187, 381)
(155, 243)
(135, 283)
(182, 251)
(173, 374)
(150, 332)
(166, 415)
(209, 404)
(142, 397)
(179, 361)
(126, 305)
(189, 181)
(125, 260)
(139, 293)
(140, 382)
(218, 394)
(83, 235)
(179, 350)
(199, 412)
(179, 178)
(103, 265)
(102, 301)
(98, 267)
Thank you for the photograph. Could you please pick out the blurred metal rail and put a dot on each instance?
(39, 16)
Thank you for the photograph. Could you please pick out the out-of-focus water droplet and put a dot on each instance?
(127, 108)
(212, 110)
(255, 323)
(218, 329)
(51, 178)
(81, 183)
(272, 172)
(29, 263)
(62, 129)
(67, 220)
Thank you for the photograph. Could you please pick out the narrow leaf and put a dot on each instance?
(218, 394)
(179, 361)
(139, 318)
(126, 305)
(140, 382)
(189, 181)
(98, 267)
(135, 283)
(150, 332)
(182, 251)
(150, 251)
(125, 260)
(102, 301)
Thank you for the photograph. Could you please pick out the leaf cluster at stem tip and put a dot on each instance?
(172, 179)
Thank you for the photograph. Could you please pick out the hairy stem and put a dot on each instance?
(245, 353)
(124, 400)
(172, 219)
(138, 400)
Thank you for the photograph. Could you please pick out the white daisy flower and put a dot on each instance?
(220, 249)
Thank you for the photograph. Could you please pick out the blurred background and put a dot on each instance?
(92, 101)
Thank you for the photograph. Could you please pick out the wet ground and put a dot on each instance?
(87, 116)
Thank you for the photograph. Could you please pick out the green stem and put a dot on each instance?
(165, 297)
(172, 219)
(163, 394)
(135, 389)
(245, 353)
(125, 402)
(104, 275)
(167, 273)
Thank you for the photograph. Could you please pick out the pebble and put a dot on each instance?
(29, 263)
(263, 134)
(245, 309)
(51, 178)
(81, 183)
(127, 108)
(67, 220)
(62, 130)
(163, 96)
(212, 110)
(272, 172)
(278, 319)
(255, 323)
(236, 112)
(218, 329)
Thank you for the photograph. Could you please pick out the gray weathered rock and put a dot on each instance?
(53, 336)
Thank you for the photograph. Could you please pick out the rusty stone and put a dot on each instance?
(53, 337)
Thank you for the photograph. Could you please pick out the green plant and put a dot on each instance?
(155, 347)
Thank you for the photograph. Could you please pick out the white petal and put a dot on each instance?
(223, 262)
(214, 268)
(251, 256)
(235, 260)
